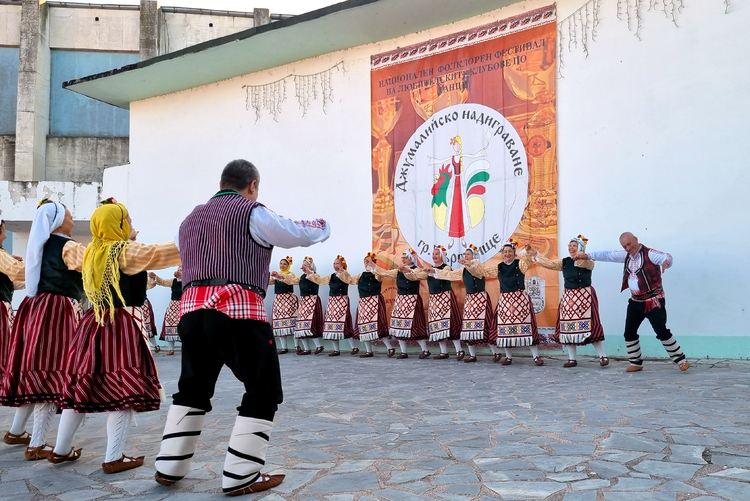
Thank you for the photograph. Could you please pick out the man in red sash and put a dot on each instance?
(642, 275)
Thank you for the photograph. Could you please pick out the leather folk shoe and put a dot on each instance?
(122, 464)
(425, 354)
(55, 458)
(634, 368)
(401, 356)
(684, 365)
(442, 356)
(460, 355)
(319, 349)
(263, 483)
(13, 439)
(41, 452)
(570, 363)
(162, 480)
(367, 355)
(468, 360)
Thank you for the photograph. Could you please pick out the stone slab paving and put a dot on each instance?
(383, 429)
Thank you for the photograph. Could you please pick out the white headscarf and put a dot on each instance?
(312, 265)
(47, 218)
(411, 255)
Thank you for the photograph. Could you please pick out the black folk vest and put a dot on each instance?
(437, 286)
(510, 277)
(575, 277)
(55, 277)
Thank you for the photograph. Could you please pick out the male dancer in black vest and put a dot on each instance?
(642, 275)
(225, 248)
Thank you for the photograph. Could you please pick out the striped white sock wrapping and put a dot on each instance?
(674, 350)
(634, 352)
(246, 454)
(178, 443)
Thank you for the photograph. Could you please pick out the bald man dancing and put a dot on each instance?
(642, 274)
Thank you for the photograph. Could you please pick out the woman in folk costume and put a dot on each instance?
(110, 367)
(44, 328)
(12, 274)
(284, 310)
(516, 321)
(578, 321)
(371, 322)
(338, 320)
(309, 322)
(444, 321)
(169, 331)
(479, 325)
(407, 317)
(148, 315)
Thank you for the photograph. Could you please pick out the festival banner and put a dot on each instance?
(464, 150)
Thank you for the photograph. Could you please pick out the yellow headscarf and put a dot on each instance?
(101, 268)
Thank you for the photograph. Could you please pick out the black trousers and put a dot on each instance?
(656, 317)
(210, 340)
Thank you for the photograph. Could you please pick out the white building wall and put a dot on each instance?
(649, 141)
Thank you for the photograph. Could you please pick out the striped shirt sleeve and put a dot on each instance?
(12, 267)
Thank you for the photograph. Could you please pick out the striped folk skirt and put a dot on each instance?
(171, 320)
(148, 319)
(407, 318)
(40, 341)
(516, 321)
(338, 321)
(479, 323)
(6, 323)
(444, 320)
(284, 314)
(309, 317)
(578, 320)
(110, 366)
(371, 321)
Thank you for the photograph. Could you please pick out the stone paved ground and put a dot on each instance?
(408, 430)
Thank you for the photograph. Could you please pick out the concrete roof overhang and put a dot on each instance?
(333, 28)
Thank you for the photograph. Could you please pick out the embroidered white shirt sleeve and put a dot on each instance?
(270, 229)
(617, 256)
(660, 258)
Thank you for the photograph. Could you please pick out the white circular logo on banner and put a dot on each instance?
(461, 179)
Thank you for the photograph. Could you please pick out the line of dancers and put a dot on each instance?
(512, 324)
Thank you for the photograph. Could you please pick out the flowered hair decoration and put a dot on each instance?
(473, 248)
(581, 241)
(288, 259)
(43, 201)
(308, 259)
(411, 252)
(372, 256)
(512, 243)
(343, 260)
(108, 201)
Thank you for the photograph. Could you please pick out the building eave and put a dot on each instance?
(336, 27)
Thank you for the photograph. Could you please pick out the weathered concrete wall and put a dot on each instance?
(32, 118)
(7, 156)
(10, 25)
(82, 159)
(94, 29)
(183, 30)
(148, 41)
(19, 200)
